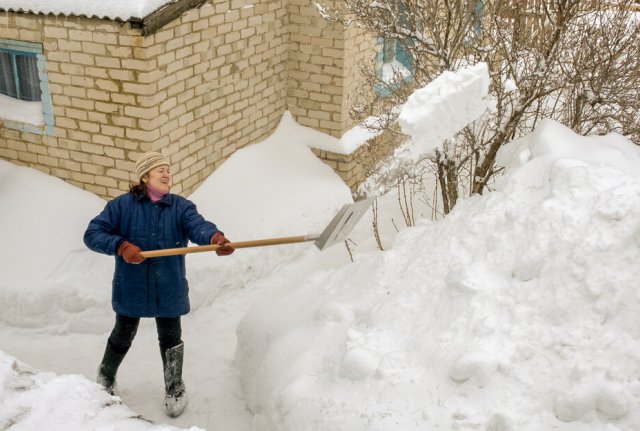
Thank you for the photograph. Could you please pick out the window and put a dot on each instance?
(19, 75)
(476, 17)
(25, 103)
(393, 61)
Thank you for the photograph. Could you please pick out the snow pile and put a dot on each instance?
(54, 292)
(276, 188)
(279, 177)
(43, 220)
(43, 401)
(443, 107)
(519, 311)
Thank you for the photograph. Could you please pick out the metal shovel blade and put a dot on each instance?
(343, 223)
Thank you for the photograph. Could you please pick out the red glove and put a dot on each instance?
(223, 250)
(130, 253)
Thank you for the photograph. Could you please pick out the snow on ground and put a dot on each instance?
(55, 311)
(518, 311)
(37, 400)
(20, 110)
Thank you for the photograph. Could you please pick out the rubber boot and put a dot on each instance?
(108, 369)
(175, 399)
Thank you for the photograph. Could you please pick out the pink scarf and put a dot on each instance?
(154, 194)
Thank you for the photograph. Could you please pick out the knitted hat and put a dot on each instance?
(148, 161)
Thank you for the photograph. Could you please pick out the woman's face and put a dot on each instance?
(159, 178)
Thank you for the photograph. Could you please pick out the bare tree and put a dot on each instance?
(575, 61)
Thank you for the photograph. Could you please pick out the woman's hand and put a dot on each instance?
(219, 239)
(130, 252)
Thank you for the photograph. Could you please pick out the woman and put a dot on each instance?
(149, 218)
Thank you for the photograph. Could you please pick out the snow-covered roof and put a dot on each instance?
(113, 9)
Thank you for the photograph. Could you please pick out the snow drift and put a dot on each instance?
(518, 311)
(39, 400)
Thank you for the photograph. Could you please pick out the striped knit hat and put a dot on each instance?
(148, 161)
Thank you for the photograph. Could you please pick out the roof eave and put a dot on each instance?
(150, 23)
(164, 15)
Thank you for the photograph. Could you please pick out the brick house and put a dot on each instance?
(85, 92)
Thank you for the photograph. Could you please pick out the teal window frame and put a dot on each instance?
(14, 57)
(17, 48)
(399, 54)
(476, 15)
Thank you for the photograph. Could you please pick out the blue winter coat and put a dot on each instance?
(158, 286)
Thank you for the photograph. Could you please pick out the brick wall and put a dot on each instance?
(323, 65)
(208, 83)
(202, 87)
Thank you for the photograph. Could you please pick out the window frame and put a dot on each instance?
(14, 54)
(33, 49)
(399, 55)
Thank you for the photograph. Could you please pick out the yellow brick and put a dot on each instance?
(76, 114)
(142, 65)
(79, 136)
(80, 35)
(55, 32)
(89, 127)
(115, 153)
(121, 75)
(9, 33)
(80, 81)
(105, 38)
(70, 165)
(130, 40)
(119, 120)
(125, 99)
(90, 168)
(90, 187)
(104, 84)
(96, 72)
(98, 95)
(30, 35)
(143, 135)
(108, 62)
(119, 51)
(72, 69)
(144, 113)
(144, 89)
(102, 161)
(88, 148)
(66, 123)
(105, 141)
(107, 108)
(112, 131)
(106, 181)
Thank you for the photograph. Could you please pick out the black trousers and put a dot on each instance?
(125, 329)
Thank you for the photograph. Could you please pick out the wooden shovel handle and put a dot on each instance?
(239, 244)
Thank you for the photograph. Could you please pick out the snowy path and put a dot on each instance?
(216, 399)
(215, 396)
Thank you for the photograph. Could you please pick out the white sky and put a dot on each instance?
(518, 311)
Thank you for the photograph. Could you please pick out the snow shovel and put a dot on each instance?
(336, 231)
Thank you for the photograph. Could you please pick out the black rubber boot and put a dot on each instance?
(175, 399)
(108, 368)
